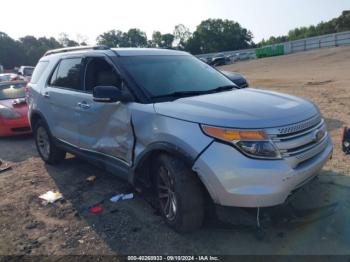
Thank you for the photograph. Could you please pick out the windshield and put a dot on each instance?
(162, 75)
(12, 91)
(28, 71)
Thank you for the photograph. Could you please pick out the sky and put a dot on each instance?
(86, 19)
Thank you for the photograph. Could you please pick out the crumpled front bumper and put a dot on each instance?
(233, 179)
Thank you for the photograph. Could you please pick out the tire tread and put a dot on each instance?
(189, 194)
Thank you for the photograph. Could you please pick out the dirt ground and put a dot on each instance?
(315, 221)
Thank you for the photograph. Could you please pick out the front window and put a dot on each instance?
(12, 91)
(100, 73)
(165, 75)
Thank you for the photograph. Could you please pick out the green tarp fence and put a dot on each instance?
(269, 51)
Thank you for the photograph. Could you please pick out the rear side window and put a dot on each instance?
(68, 74)
(38, 71)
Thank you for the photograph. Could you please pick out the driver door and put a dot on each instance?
(105, 128)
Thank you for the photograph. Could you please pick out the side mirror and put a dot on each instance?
(107, 94)
(19, 73)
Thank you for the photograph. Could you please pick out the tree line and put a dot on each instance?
(336, 25)
(29, 49)
(212, 35)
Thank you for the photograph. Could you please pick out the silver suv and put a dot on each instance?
(167, 121)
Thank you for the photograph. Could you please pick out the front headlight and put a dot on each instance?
(253, 143)
(8, 113)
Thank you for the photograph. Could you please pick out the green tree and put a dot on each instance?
(339, 24)
(343, 22)
(35, 48)
(273, 40)
(72, 43)
(151, 44)
(216, 35)
(116, 38)
(157, 38)
(167, 40)
(11, 53)
(64, 40)
(181, 36)
(162, 41)
(194, 44)
(135, 38)
(112, 38)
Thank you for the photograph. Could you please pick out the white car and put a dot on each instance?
(26, 72)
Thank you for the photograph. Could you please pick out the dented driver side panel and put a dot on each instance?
(152, 130)
(105, 128)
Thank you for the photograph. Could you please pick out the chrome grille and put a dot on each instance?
(313, 151)
(299, 126)
(302, 141)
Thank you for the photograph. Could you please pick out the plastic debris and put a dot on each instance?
(116, 198)
(119, 197)
(4, 166)
(96, 209)
(128, 196)
(51, 197)
(91, 178)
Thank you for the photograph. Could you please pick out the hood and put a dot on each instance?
(243, 108)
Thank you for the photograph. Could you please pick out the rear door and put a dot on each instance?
(63, 94)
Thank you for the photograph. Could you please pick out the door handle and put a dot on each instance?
(83, 105)
(46, 94)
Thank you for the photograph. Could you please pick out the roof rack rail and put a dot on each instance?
(76, 48)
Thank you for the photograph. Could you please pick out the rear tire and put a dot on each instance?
(180, 194)
(47, 149)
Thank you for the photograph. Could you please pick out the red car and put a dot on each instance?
(9, 77)
(13, 109)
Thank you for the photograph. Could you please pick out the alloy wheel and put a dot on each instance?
(166, 194)
(43, 142)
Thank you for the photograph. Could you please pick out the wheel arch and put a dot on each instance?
(142, 163)
(35, 116)
(141, 171)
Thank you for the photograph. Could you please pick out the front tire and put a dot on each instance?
(47, 150)
(179, 193)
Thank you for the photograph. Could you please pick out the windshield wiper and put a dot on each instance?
(222, 88)
(179, 94)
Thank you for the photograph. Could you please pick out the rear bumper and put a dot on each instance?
(14, 127)
(233, 179)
